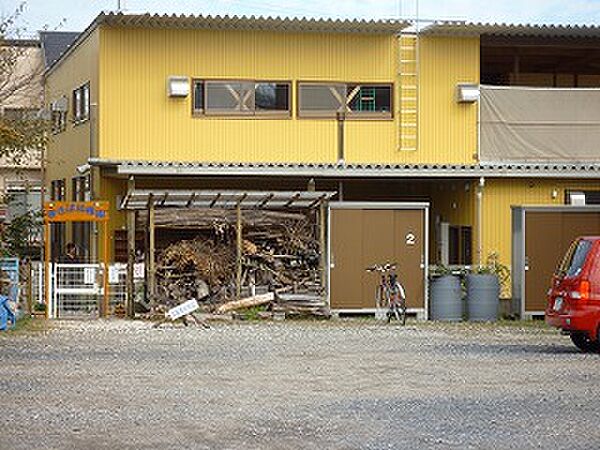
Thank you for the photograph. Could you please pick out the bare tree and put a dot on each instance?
(22, 124)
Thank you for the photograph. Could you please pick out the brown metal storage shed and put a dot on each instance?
(363, 234)
(541, 236)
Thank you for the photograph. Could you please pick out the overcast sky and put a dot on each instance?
(77, 14)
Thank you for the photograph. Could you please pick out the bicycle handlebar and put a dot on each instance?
(382, 267)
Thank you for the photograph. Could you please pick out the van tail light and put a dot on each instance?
(583, 291)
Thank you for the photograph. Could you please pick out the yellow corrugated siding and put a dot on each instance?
(140, 122)
(71, 148)
(111, 189)
(447, 129)
(500, 195)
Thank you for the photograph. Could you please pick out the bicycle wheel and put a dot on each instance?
(383, 297)
(394, 311)
(400, 301)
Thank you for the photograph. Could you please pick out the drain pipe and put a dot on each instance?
(341, 117)
(480, 221)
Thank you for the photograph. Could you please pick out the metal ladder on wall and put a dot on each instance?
(409, 91)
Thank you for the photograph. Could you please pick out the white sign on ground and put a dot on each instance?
(185, 308)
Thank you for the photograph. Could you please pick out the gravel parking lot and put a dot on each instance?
(340, 384)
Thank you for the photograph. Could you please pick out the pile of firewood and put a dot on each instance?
(280, 254)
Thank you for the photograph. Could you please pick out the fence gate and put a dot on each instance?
(76, 290)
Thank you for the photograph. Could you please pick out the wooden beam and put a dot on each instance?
(106, 285)
(130, 253)
(238, 256)
(47, 250)
(516, 68)
(323, 248)
(130, 263)
(150, 257)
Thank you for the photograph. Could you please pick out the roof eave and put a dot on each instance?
(512, 170)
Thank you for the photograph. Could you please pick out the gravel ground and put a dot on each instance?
(343, 384)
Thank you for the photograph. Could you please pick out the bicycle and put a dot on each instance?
(390, 293)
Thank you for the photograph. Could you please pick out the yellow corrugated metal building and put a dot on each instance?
(261, 102)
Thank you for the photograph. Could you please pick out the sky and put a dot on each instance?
(75, 15)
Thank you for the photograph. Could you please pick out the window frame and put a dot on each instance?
(81, 106)
(349, 115)
(59, 118)
(239, 114)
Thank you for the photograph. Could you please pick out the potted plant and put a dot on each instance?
(445, 295)
(39, 310)
(483, 289)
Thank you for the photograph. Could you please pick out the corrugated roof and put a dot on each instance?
(494, 170)
(461, 28)
(224, 199)
(55, 43)
(263, 23)
(226, 22)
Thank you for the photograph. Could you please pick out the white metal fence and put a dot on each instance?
(76, 290)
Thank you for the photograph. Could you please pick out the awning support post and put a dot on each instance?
(323, 248)
(150, 250)
(130, 254)
(47, 249)
(238, 259)
(105, 284)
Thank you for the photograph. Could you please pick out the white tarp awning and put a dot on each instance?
(539, 124)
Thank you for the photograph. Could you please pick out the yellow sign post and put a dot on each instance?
(61, 212)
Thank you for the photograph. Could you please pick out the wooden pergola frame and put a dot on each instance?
(63, 212)
(150, 199)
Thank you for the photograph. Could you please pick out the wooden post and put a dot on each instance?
(106, 299)
(323, 248)
(47, 250)
(150, 260)
(238, 259)
(130, 255)
(130, 263)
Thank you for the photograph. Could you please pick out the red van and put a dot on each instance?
(574, 298)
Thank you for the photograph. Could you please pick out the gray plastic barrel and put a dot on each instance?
(445, 299)
(483, 297)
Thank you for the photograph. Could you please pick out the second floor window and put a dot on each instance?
(241, 97)
(325, 100)
(81, 103)
(58, 190)
(58, 115)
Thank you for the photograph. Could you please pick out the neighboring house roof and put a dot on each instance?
(460, 28)
(493, 170)
(55, 44)
(20, 42)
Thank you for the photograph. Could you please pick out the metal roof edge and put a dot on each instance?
(367, 170)
(464, 28)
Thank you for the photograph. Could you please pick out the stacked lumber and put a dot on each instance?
(280, 255)
(301, 305)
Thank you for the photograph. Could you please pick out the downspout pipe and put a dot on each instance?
(479, 194)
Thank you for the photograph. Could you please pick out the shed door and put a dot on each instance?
(363, 237)
(547, 238)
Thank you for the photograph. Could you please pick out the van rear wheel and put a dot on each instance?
(584, 343)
